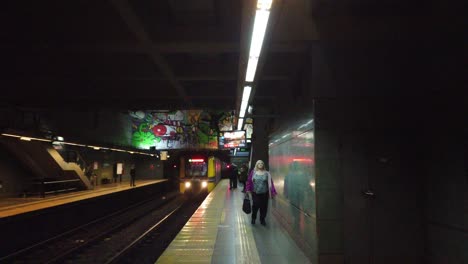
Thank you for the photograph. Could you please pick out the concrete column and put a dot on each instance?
(260, 137)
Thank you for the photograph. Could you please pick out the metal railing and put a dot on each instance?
(53, 187)
(75, 157)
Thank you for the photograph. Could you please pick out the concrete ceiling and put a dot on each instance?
(175, 54)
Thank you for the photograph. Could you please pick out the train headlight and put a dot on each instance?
(187, 184)
(204, 184)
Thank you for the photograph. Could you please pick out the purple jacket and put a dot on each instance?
(249, 184)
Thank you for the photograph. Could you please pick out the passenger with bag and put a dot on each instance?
(243, 173)
(246, 206)
(260, 185)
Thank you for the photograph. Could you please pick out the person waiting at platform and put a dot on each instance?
(234, 173)
(132, 175)
(243, 173)
(261, 187)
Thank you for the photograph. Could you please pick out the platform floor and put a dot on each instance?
(15, 206)
(220, 232)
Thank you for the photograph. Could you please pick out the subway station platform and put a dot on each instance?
(220, 232)
(16, 206)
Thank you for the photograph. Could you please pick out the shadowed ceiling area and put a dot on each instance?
(181, 54)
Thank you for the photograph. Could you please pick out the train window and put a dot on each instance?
(196, 168)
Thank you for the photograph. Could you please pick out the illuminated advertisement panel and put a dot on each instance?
(232, 139)
(178, 129)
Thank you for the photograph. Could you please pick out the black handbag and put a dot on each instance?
(246, 206)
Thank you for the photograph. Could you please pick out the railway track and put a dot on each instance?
(116, 238)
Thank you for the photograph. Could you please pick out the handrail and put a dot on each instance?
(51, 182)
(78, 159)
(42, 191)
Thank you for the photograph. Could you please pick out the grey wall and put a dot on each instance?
(13, 175)
(259, 148)
(361, 145)
(91, 125)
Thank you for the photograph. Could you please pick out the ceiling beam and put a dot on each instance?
(181, 78)
(136, 26)
(163, 48)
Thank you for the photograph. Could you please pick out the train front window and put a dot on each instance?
(196, 168)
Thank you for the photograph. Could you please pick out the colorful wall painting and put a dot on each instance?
(179, 129)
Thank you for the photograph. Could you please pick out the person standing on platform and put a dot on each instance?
(261, 187)
(233, 177)
(132, 175)
(114, 173)
(243, 173)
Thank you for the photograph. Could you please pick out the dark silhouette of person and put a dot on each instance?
(132, 175)
(243, 173)
(114, 174)
(233, 177)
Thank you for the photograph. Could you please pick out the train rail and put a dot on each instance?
(113, 238)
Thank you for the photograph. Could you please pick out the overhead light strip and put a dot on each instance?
(262, 15)
(25, 138)
(245, 100)
(251, 69)
(240, 123)
(258, 35)
(260, 24)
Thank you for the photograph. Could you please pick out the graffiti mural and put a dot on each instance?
(179, 129)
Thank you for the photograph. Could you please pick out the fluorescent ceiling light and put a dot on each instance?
(260, 24)
(246, 93)
(10, 135)
(245, 100)
(242, 109)
(73, 144)
(264, 4)
(240, 122)
(251, 68)
(41, 139)
(26, 138)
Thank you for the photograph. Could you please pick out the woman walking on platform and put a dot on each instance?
(260, 185)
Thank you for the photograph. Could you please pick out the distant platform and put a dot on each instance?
(15, 206)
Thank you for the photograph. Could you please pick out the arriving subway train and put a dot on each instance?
(198, 172)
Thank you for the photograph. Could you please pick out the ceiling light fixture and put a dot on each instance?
(262, 15)
(240, 122)
(264, 4)
(251, 69)
(245, 100)
(260, 24)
